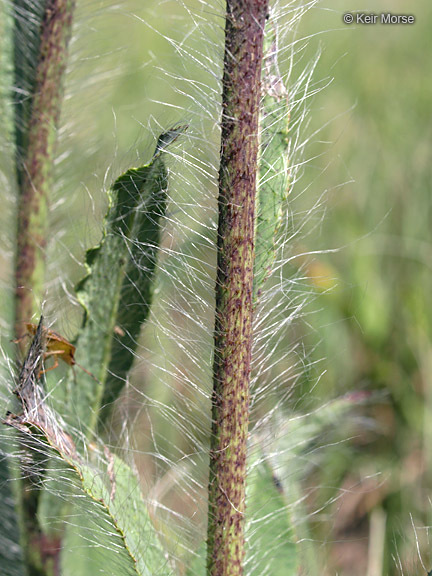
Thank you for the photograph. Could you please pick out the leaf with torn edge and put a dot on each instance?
(116, 293)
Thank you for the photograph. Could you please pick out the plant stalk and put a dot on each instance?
(37, 112)
(41, 36)
(244, 33)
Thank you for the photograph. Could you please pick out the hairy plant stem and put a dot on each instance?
(37, 115)
(46, 26)
(244, 32)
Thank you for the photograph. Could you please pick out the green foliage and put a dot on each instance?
(11, 561)
(277, 535)
(376, 327)
(270, 534)
(106, 517)
(271, 547)
(273, 182)
(113, 485)
(105, 502)
(116, 293)
(139, 279)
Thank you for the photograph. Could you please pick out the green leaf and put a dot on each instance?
(116, 293)
(138, 285)
(119, 494)
(108, 506)
(270, 535)
(11, 561)
(294, 440)
(197, 564)
(273, 183)
(88, 547)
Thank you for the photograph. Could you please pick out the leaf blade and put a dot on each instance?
(273, 185)
(137, 203)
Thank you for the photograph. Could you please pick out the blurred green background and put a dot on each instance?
(375, 325)
(370, 131)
